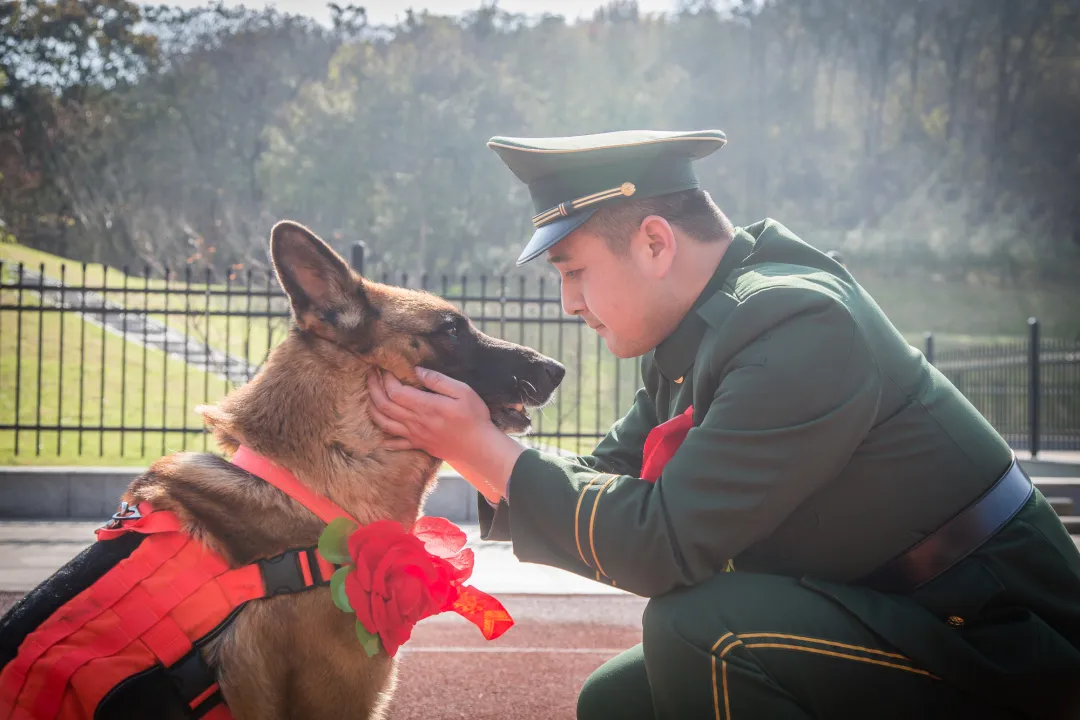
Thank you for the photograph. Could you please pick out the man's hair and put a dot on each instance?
(692, 211)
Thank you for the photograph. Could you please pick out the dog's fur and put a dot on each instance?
(297, 655)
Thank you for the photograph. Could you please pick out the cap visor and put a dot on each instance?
(549, 235)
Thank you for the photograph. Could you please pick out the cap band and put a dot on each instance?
(563, 209)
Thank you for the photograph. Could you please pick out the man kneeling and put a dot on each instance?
(825, 525)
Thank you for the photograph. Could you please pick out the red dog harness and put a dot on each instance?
(138, 630)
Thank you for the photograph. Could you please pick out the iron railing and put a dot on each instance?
(106, 366)
(1028, 389)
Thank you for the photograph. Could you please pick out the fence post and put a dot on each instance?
(1033, 385)
(929, 348)
(357, 260)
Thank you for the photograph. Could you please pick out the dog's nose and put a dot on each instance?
(555, 372)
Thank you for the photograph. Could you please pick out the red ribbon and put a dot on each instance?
(444, 539)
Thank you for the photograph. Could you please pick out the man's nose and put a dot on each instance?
(571, 301)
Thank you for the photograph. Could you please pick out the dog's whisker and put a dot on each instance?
(532, 396)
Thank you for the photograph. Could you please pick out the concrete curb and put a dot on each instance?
(82, 493)
(91, 493)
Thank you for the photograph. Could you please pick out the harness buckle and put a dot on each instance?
(126, 512)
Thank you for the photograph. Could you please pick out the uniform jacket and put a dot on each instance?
(822, 446)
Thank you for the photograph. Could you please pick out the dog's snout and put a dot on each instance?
(555, 372)
(542, 379)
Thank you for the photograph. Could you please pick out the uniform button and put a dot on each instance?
(955, 621)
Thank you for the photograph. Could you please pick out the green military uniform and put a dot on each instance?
(823, 447)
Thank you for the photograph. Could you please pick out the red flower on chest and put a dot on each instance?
(397, 582)
(393, 577)
(663, 441)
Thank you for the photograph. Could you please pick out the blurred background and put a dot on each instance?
(146, 150)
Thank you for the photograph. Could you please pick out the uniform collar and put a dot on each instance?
(676, 353)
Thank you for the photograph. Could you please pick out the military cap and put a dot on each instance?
(570, 178)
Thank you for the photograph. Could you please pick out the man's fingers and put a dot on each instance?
(388, 424)
(436, 382)
(387, 396)
(420, 402)
(377, 390)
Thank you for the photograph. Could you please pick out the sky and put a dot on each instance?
(382, 12)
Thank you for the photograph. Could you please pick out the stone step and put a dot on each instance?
(1071, 523)
(1062, 505)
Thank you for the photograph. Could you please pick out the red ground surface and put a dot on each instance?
(533, 672)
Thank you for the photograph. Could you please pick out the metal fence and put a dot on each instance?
(105, 365)
(1028, 389)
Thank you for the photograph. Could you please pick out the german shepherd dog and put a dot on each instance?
(297, 655)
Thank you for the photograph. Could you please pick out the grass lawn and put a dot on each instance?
(90, 377)
(188, 303)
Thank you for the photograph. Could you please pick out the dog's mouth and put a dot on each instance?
(512, 418)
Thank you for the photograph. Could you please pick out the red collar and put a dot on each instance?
(259, 466)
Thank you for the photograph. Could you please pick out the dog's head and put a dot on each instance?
(399, 329)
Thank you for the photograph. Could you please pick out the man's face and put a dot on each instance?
(615, 293)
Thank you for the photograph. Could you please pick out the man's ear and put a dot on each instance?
(324, 292)
(654, 245)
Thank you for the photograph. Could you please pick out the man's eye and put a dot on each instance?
(571, 274)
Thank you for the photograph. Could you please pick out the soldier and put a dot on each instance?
(825, 527)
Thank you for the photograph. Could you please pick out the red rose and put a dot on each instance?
(398, 577)
(397, 582)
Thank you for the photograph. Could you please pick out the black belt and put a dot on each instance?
(956, 539)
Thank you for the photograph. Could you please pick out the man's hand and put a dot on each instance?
(451, 423)
(436, 422)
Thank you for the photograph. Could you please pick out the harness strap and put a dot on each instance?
(247, 459)
(167, 640)
(293, 571)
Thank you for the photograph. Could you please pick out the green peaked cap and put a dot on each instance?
(570, 178)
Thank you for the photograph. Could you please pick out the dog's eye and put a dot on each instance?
(450, 328)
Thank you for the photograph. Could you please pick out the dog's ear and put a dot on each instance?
(326, 295)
